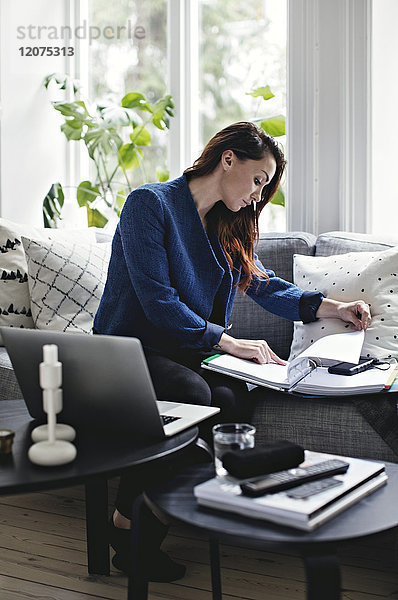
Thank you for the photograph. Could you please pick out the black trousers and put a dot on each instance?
(180, 378)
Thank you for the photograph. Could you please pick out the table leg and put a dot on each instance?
(137, 584)
(323, 576)
(97, 526)
(215, 569)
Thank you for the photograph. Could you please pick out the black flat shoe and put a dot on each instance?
(119, 539)
(158, 566)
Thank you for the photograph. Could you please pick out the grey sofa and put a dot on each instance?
(344, 426)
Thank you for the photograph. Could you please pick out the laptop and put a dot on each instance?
(105, 383)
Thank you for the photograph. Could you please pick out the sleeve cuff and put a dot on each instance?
(308, 306)
(212, 335)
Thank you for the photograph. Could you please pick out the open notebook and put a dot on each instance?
(308, 372)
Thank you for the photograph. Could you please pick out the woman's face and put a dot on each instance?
(243, 181)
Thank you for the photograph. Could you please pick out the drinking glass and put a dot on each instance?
(230, 436)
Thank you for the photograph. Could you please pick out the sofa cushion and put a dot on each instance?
(248, 319)
(14, 292)
(341, 242)
(66, 281)
(368, 276)
(9, 388)
(322, 424)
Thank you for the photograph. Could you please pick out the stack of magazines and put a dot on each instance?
(308, 512)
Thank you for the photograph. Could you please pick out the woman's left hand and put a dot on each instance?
(357, 312)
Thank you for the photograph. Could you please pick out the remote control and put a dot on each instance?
(313, 487)
(283, 480)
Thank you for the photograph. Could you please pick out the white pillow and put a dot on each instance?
(66, 281)
(368, 276)
(15, 308)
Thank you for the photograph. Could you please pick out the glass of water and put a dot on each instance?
(230, 436)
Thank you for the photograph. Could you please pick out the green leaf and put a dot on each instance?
(162, 174)
(135, 100)
(86, 193)
(161, 112)
(62, 81)
(100, 136)
(115, 116)
(129, 156)
(95, 218)
(52, 206)
(120, 200)
(77, 109)
(141, 136)
(264, 92)
(278, 198)
(47, 80)
(119, 116)
(274, 126)
(72, 129)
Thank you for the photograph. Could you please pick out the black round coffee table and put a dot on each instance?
(100, 455)
(373, 514)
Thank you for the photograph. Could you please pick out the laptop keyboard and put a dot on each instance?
(166, 419)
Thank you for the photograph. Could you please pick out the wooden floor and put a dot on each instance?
(43, 557)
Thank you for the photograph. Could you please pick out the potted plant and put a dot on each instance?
(116, 137)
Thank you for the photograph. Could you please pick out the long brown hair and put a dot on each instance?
(238, 232)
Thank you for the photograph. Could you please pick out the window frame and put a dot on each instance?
(328, 113)
(329, 116)
(183, 77)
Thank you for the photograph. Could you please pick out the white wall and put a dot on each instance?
(33, 151)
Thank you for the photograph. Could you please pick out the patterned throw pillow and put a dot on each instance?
(15, 308)
(66, 281)
(368, 276)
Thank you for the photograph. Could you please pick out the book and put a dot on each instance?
(361, 479)
(308, 372)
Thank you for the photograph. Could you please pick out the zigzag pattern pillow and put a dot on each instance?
(15, 308)
(66, 281)
(14, 292)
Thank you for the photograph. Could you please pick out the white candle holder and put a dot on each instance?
(52, 442)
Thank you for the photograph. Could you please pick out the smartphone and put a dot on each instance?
(347, 368)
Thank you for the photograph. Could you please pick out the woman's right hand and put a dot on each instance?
(255, 350)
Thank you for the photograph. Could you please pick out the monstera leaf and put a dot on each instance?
(52, 206)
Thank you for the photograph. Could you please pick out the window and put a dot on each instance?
(329, 142)
(241, 49)
(137, 62)
(238, 50)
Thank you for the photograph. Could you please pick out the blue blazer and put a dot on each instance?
(164, 275)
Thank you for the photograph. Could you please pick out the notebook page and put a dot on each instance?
(269, 372)
(338, 346)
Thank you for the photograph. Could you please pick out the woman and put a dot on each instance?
(180, 251)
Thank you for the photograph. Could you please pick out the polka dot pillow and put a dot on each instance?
(368, 276)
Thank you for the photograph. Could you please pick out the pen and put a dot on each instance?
(391, 379)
